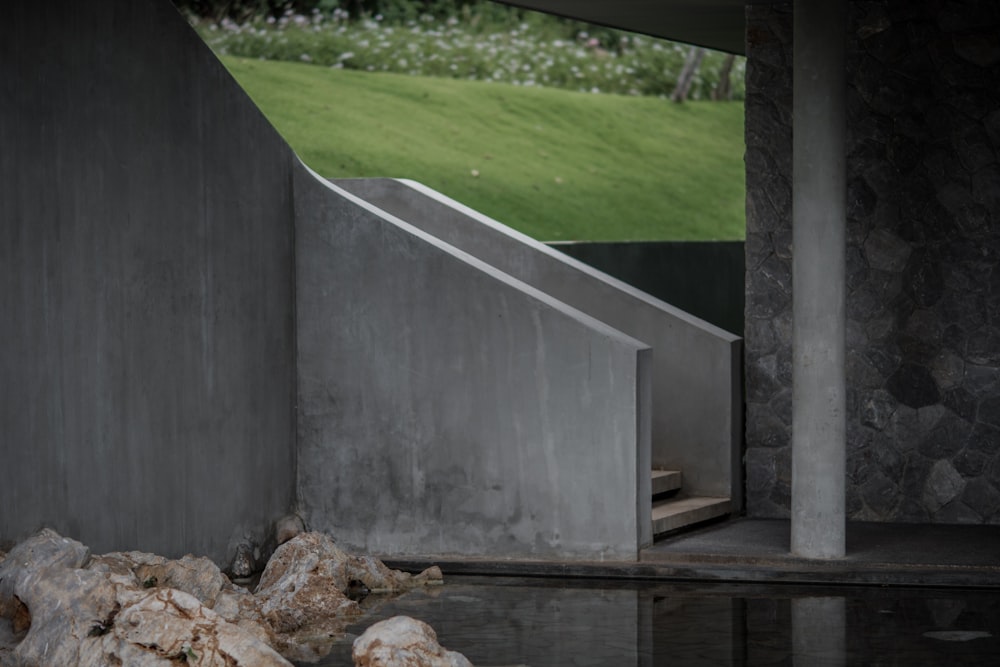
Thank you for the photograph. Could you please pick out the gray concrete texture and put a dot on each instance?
(445, 407)
(755, 551)
(697, 393)
(819, 220)
(703, 278)
(146, 342)
(153, 304)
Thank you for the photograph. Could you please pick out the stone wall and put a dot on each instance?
(923, 332)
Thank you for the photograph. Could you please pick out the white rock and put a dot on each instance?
(87, 614)
(402, 641)
(133, 608)
(303, 592)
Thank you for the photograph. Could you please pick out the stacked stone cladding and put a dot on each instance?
(923, 261)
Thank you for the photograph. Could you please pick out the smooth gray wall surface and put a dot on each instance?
(703, 278)
(146, 337)
(695, 374)
(445, 407)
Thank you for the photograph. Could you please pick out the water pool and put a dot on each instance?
(543, 622)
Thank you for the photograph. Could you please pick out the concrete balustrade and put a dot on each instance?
(446, 407)
(696, 367)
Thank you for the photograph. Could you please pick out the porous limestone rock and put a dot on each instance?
(197, 576)
(303, 591)
(64, 607)
(69, 610)
(305, 583)
(244, 564)
(402, 641)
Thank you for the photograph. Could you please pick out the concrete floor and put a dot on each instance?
(877, 553)
(757, 551)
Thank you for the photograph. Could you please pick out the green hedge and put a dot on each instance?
(392, 10)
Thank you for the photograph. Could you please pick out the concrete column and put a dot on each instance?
(819, 202)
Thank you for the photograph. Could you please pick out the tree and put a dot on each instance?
(686, 77)
(723, 90)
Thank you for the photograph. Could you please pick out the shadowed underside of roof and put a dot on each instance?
(716, 24)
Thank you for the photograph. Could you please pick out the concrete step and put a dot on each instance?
(677, 513)
(666, 480)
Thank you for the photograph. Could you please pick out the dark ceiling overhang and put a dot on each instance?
(715, 24)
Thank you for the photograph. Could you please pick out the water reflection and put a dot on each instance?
(537, 622)
(818, 636)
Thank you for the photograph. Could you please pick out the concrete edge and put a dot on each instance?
(644, 447)
(737, 404)
(538, 246)
(488, 269)
(697, 569)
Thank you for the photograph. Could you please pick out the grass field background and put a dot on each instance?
(554, 164)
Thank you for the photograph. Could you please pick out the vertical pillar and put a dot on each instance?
(819, 214)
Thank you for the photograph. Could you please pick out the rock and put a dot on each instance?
(942, 486)
(379, 578)
(304, 585)
(44, 550)
(402, 641)
(244, 564)
(303, 591)
(886, 252)
(914, 386)
(195, 576)
(116, 609)
(172, 624)
(288, 527)
(877, 410)
(135, 608)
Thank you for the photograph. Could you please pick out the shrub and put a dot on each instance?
(484, 42)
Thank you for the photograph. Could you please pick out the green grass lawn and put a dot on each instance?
(554, 164)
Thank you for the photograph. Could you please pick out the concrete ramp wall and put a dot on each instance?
(146, 286)
(697, 390)
(445, 407)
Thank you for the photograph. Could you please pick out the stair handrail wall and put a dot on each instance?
(448, 408)
(696, 374)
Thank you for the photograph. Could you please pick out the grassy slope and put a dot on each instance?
(553, 164)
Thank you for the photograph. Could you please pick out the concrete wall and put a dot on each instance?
(703, 278)
(445, 407)
(923, 261)
(146, 341)
(697, 413)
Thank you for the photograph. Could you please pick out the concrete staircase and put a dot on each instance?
(672, 510)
